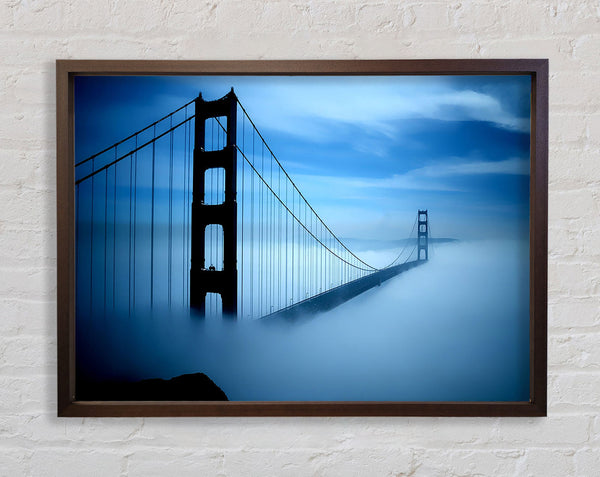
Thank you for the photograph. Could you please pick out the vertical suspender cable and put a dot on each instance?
(279, 223)
(184, 217)
(105, 233)
(129, 256)
(252, 225)
(271, 230)
(261, 242)
(243, 193)
(134, 221)
(92, 245)
(286, 300)
(114, 236)
(77, 226)
(294, 268)
(152, 222)
(170, 237)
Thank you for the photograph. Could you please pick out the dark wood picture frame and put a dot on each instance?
(66, 70)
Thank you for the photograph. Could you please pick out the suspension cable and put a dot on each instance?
(151, 141)
(371, 268)
(294, 215)
(406, 244)
(133, 135)
(298, 190)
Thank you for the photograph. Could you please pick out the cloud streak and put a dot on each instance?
(511, 166)
(424, 178)
(376, 108)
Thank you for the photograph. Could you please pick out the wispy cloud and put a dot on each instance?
(511, 166)
(376, 107)
(430, 177)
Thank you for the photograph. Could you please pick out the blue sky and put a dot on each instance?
(367, 152)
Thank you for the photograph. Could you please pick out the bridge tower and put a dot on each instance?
(422, 236)
(203, 280)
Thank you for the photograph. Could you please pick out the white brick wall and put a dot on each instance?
(36, 32)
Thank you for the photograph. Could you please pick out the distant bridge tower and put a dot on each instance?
(423, 236)
(203, 280)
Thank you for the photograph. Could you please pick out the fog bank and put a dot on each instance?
(456, 328)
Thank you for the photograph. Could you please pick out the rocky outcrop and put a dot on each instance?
(187, 387)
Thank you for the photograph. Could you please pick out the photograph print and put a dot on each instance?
(302, 238)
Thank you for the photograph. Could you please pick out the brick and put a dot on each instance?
(585, 50)
(88, 15)
(291, 463)
(556, 431)
(580, 351)
(319, 462)
(65, 462)
(6, 14)
(469, 462)
(31, 169)
(332, 16)
(161, 461)
(20, 395)
(575, 279)
(595, 431)
(104, 431)
(26, 316)
(483, 14)
(15, 462)
(593, 129)
(558, 49)
(22, 51)
(574, 167)
(573, 313)
(468, 431)
(587, 462)
(27, 355)
(127, 46)
(25, 430)
(27, 206)
(556, 17)
(567, 127)
(307, 433)
(570, 391)
(27, 283)
(27, 247)
(384, 17)
(35, 87)
(585, 96)
(24, 122)
(265, 17)
(269, 16)
(548, 462)
(43, 15)
(364, 461)
(139, 16)
(573, 204)
(565, 238)
(409, 44)
(432, 16)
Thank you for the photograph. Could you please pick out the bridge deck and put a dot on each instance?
(336, 296)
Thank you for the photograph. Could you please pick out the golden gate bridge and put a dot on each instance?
(196, 210)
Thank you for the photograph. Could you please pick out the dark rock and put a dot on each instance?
(187, 387)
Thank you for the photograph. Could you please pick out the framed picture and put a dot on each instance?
(302, 238)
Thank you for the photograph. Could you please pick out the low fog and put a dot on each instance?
(455, 328)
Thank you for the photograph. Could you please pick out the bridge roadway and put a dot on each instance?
(336, 296)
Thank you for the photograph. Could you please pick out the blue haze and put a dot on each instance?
(367, 153)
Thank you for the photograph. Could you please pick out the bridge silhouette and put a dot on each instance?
(196, 210)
